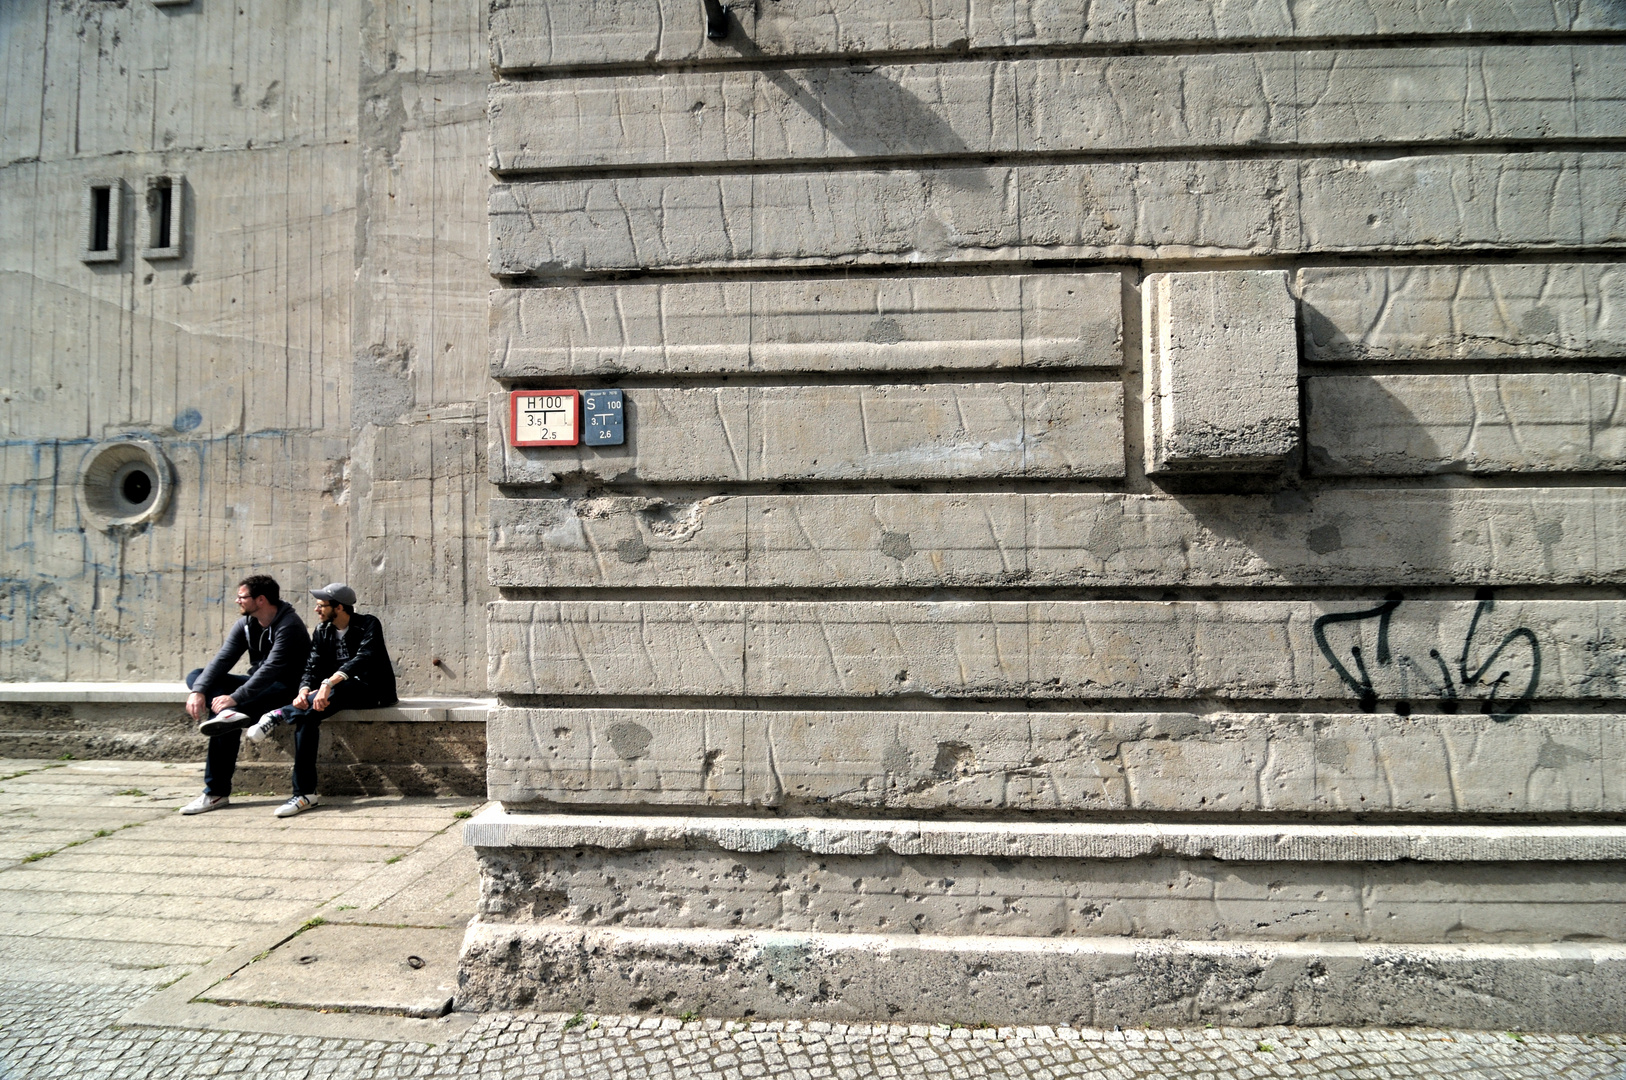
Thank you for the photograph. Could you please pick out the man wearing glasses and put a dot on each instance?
(277, 644)
(349, 668)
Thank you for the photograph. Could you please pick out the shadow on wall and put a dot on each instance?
(1385, 651)
(867, 113)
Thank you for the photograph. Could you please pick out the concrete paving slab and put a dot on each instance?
(33, 923)
(42, 902)
(357, 968)
(229, 849)
(151, 885)
(158, 864)
(162, 929)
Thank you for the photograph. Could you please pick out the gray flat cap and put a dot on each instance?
(337, 593)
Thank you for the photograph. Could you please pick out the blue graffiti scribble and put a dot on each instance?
(188, 420)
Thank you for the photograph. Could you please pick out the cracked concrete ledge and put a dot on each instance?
(533, 34)
(989, 980)
(498, 828)
(1040, 105)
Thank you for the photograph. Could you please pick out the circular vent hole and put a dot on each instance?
(136, 487)
(124, 483)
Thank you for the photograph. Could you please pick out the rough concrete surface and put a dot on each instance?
(532, 34)
(1041, 980)
(1322, 98)
(1409, 425)
(1409, 650)
(1200, 207)
(981, 323)
(1537, 311)
(823, 761)
(787, 891)
(1294, 537)
(874, 432)
(1221, 371)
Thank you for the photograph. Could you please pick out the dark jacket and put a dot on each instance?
(359, 652)
(276, 653)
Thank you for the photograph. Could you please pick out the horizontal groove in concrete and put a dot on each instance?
(498, 828)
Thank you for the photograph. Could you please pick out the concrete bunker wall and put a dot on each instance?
(1120, 517)
(306, 357)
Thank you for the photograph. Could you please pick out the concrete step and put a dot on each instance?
(1093, 923)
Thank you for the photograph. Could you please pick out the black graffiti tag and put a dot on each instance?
(1436, 677)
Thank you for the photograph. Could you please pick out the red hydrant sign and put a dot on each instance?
(544, 418)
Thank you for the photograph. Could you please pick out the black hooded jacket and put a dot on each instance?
(276, 653)
(359, 652)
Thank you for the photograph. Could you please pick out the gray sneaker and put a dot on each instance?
(205, 803)
(297, 805)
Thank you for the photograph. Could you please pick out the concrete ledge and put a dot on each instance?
(120, 693)
(497, 828)
(148, 693)
(989, 980)
(419, 746)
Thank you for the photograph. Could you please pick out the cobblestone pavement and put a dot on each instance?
(113, 923)
(57, 1030)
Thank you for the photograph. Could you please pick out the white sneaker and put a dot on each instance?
(297, 805)
(205, 803)
(222, 722)
(263, 727)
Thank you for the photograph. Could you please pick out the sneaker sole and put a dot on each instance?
(217, 727)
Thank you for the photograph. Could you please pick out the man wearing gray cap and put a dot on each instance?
(350, 669)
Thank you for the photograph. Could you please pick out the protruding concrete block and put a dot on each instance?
(1221, 371)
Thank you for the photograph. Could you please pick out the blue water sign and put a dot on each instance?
(604, 422)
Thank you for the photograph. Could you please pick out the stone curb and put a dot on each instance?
(497, 828)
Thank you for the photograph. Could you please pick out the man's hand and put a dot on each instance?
(196, 705)
(303, 701)
(323, 696)
(223, 702)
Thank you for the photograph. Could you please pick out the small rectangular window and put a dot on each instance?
(102, 203)
(165, 216)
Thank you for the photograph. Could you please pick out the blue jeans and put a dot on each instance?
(221, 761)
